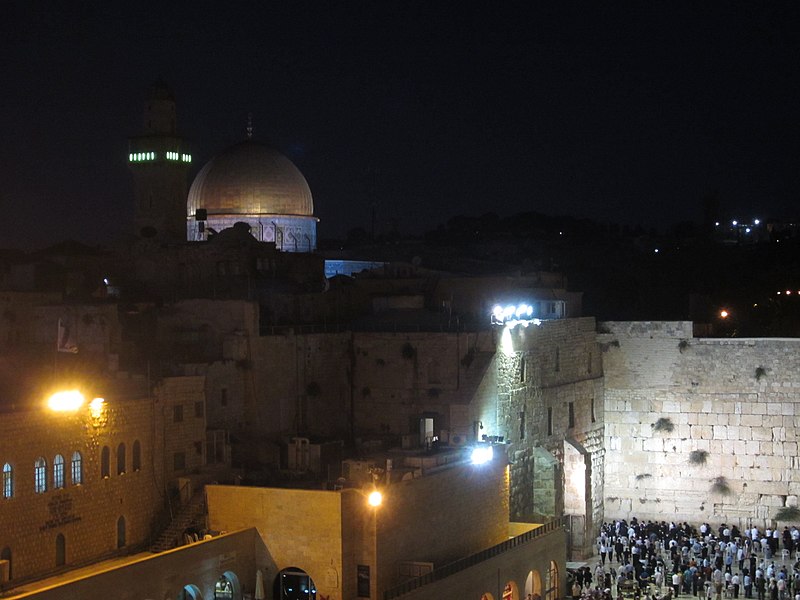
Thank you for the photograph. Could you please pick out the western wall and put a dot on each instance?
(699, 429)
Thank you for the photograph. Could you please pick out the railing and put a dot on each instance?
(472, 560)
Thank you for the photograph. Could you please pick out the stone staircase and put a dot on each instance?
(191, 514)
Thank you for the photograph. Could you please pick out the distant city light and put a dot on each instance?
(656, 250)
(747, 230)
(788, 292)
(735, 223)
(716, 224)
(757, 221)
(481, 455)
(724, 314)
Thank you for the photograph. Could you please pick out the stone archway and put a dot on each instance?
(533, 584)
(294, 584)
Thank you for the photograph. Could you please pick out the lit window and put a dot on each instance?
(77, 468)
(58, 472)
(8, 481)
(40, 475)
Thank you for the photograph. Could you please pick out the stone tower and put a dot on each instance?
(160, 160)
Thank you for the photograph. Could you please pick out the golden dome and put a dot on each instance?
(250, 179)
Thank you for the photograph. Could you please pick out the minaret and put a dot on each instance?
(160, 160)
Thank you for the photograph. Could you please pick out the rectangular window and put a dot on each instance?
(178, 461)
(550, 421)
(223, 397)
(558, 360)
(592, 408)
(589, 364)
(177, 413)
(522, 369)
(571, 415)
(199, 409)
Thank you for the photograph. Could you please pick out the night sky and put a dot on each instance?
(625, 112)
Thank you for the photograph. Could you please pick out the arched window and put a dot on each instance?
(8, 481)
(40, 475)
(61, 550)
(77, 468)
(137, 456)
(121, 532)
(59, 474)
(105, 460)
(120, 459)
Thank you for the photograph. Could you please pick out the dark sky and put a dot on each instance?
(628, 112)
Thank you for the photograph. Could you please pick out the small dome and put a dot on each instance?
(250, 179)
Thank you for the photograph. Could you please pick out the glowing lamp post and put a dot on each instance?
(66, 401)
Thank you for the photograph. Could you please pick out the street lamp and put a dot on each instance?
(66, 401)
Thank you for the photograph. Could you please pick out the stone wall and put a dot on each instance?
(699, 429)
(549, 395)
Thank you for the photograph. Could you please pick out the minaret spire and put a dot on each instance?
(249, 126)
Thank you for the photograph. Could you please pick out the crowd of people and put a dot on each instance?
(662, 561)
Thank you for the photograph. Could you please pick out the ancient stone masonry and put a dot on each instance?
(549, 408)
(699, 428)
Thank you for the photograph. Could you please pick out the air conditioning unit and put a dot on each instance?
(457, 439)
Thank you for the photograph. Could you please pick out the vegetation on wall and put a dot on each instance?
(720, 485)
(643, 476)
(698, 457)
(664, 424)
(787, 513)
(683, 346)
(760, 373)
(408, 351)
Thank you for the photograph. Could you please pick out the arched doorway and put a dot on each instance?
(511, 591)
(294, 584)
(551, 582)
(533, 584)
(61, 550)
(227, 587)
